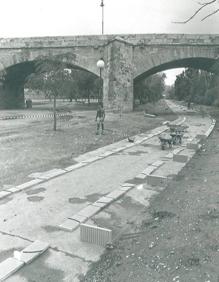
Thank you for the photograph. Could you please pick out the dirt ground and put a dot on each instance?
(30, 145)
(178, 238)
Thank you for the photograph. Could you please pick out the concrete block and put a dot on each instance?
(149, 170)
(73, 167)
(157, 180)
(4, 194)
(8, 267)
(95, 235)
(31, 252)
(115, 194)
(89, 211)
(29, 184)
(180, 158)
(69, 225)
(157, 163)
(77, 217)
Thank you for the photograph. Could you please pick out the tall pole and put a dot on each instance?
(102, 6)
(100, 89)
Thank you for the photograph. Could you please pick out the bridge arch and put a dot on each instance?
(147, 59)
(206, 64)
(13, 77)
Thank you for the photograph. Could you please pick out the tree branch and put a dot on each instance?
(214, 12)
(203, 5)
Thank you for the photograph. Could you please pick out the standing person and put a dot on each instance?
(100, 116)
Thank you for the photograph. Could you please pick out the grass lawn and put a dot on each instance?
(30, 145)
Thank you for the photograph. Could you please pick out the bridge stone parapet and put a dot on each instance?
(128, 57)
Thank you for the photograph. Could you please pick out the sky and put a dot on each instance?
(28, 18)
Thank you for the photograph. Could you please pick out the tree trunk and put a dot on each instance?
(88, 97)
(54, 113)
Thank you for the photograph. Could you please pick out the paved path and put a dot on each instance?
(36, 213)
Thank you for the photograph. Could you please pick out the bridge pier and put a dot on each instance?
(118, 77)
(11, 95)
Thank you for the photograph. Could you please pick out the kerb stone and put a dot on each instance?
(157, 180)
(149, 170)
(115, 194)
(77, 217)
(180, 158)
(4, 194)
(8, 267)
(31, 252)
(29, 184)
(13, 190)
(100, 205)
(73, 167)
(105, 200)
(157, 163)
(89, 211)
(141, 176)
(69, 225)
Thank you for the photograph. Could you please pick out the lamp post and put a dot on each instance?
(100, 65)
(102, 6)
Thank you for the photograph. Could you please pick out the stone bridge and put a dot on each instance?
(127, 59)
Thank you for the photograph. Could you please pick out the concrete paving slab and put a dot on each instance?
(77, 217)
(89, 211)
(4, 194)
(115, 194)
(31, 252)
(75, 166)
(29, 184)
(69, 225)
(8, 267)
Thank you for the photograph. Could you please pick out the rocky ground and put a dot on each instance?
(177, 239)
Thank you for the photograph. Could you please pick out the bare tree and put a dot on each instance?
(203, 5)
